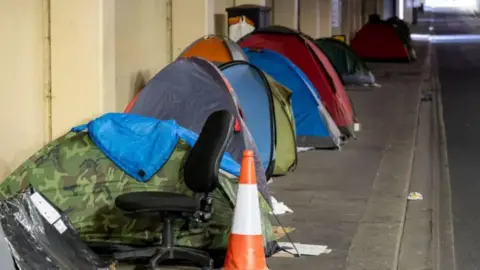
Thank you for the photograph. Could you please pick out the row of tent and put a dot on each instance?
(290, 89)
(284, 89)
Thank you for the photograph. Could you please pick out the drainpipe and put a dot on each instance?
(169, 30)
(47, 67)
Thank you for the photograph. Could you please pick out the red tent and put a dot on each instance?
(301, 50)
(379, 42)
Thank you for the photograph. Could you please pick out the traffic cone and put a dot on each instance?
(245, 245)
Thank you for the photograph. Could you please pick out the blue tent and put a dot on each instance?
(256, 105)
(314, 125)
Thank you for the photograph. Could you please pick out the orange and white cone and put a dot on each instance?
(245, 246)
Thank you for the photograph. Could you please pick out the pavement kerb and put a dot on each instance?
(376, 245)
(443, 248)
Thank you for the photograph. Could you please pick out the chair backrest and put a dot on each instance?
(203, 162)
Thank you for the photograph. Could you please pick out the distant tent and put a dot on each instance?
(378, 41)
(314, 124)
(266, 114)
(188, 91)
(403, 29)
(352, 69)
(303, 52)
(214, 48)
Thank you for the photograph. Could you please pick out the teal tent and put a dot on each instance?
(351, 68)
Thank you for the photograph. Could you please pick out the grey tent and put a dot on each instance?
(188, 91)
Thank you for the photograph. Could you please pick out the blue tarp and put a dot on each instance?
(306, 101)
(257, 106)
(141, 145)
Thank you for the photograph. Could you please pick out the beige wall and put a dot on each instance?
(310, 17)
(255, 2)
(190, 21)
(285, 12)
(99, 52)
(22, 118)
(141, 45)
(220, 16)
(325, 18)
(79, 62)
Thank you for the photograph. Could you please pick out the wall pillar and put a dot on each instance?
(285, 12)
(347, 19)
(24, 83)
(325, 18)
(83, 61)
(190, 21)
(310, 17)
(246, 2)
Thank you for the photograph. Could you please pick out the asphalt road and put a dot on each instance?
(458, 52)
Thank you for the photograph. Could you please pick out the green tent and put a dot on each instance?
(74, 175)
(286, 147)
(351, 68)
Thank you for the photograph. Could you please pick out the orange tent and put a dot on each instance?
(217, 49)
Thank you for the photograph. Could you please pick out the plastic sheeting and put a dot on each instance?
(40, 237)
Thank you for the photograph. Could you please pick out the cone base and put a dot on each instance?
(245, 252)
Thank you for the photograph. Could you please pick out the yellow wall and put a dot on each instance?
(310, 17)
(77, 62)
(141, 45)
(286, 13)
(22, 117)
(99, 52)
(220, 16)
(191, 20)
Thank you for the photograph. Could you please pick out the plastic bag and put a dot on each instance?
(240, 29)
(41, 237)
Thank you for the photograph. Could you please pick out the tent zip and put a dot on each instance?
(47, 67)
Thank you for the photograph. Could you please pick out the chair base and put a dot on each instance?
(160, 254)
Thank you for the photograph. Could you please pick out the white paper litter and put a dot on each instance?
(279, 208)
(357, 127)
(415, 196)
(304, 149)
(304, 249)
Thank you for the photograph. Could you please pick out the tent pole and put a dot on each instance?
(47, 67)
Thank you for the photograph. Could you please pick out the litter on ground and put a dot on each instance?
(415, 196)
(290, 250)
(279, 208)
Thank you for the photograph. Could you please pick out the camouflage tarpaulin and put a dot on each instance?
(75, 176)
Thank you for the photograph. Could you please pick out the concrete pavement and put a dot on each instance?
(355, 200)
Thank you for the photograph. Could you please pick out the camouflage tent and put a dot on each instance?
(74, 173)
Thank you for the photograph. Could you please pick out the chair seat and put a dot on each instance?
(149, 202)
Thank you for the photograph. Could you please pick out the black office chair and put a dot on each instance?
(201, 176)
